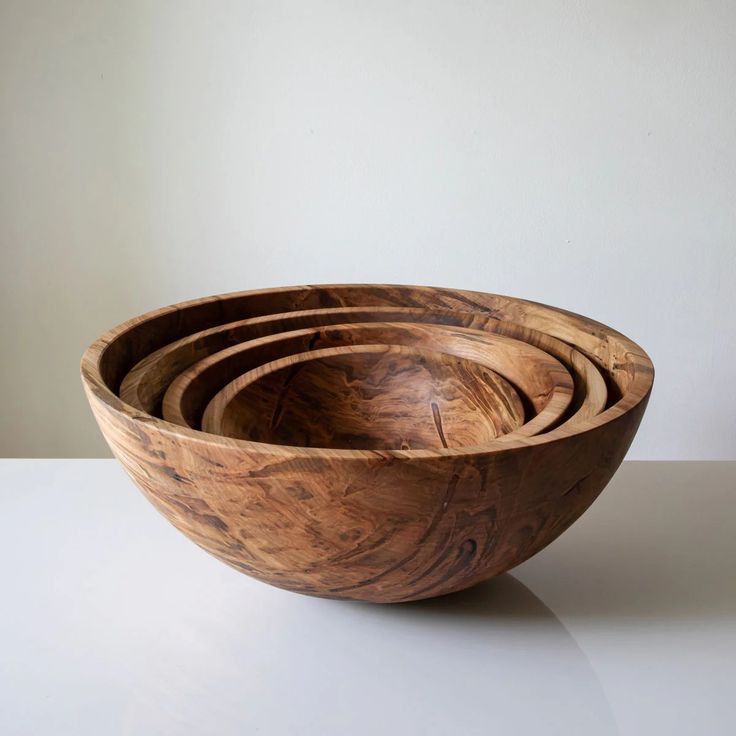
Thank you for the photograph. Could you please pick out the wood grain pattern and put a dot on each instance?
(158, 372)
(190, 391)
(378, 525)
(543, 381)
(372, 397)
(146, 382)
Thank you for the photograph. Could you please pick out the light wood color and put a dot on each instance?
(368, 524)
(188, 369)
(371, 397)
(542, 381)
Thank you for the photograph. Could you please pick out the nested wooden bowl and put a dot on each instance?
(372, 524)
(356, 397)
(542, 381)
(184, 371)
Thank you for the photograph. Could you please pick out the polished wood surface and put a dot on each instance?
(381, 525)
(181, 373)
(543, 383)
(190, 391)
(370, 397)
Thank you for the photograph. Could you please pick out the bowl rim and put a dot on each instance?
(558, 396)
(233, 389)
(576, 363)
(182, 384)
(639, 366)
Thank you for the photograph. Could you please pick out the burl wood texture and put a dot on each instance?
(172, 371)
(370, 397)
(543, 383)
(380, 525)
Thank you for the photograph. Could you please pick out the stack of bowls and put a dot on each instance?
(382, 443)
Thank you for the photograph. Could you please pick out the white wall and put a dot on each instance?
(579, 154)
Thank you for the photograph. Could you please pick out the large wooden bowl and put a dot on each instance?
(379, 525)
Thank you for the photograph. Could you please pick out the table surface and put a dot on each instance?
(112, 623)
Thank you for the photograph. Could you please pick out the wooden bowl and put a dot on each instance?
(185, 371)
(378, 525)
(540, 379)
(357, 397)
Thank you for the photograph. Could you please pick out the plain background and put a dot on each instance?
(578, 154)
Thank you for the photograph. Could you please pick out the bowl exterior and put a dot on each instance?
(382, 529)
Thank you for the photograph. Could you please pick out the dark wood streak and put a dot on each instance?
(438, 423)
(279, 404)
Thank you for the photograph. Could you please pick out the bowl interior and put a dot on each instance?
(372, 397)
(175, 380)
(542, 383)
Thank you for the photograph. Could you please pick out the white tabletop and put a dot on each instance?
(113, 623)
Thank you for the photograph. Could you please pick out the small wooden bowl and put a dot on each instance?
(189, 374)
(356, 397)
(378, 525)
(541, 380)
